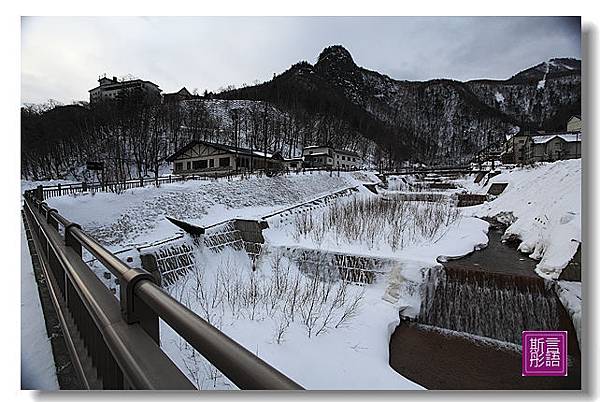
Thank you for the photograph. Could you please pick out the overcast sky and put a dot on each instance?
(63, 57)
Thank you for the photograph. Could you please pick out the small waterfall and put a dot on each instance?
(488, 304)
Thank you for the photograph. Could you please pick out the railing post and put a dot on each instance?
(70, 240)
(50, 219)
(141, 182)
(59, 189)
(133, 309)
(39, 193)
(84, 186)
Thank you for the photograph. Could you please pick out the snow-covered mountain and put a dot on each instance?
(542, 96)
(436, 121)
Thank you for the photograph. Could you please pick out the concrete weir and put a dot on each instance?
(468, 332)
(170, 259)
(336, 265)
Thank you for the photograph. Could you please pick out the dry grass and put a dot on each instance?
(391, 220)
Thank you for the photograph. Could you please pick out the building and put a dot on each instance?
(293, 163)
(207, 157)
(539, 146)
(328, 157)
(111, 89)
(552, 147)
(515, 150)
(317, 156)
(574, 124)
(181, 95)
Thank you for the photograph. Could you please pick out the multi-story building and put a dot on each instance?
(328, 157)
(540, 146)
(111, 89)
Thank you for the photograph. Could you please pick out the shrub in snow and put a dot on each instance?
(390, 220)
(223, 289)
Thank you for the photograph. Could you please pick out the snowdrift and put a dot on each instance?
(542, 206)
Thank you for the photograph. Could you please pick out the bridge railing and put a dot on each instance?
(115, 343)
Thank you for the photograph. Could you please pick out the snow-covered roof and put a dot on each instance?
(223, 147)
(568, 137)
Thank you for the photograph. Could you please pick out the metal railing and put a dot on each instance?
(114, 344)
(45, 192)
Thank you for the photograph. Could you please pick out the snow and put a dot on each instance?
(569, 294)
(33, 184)
(37, 362)
(568, 137)
(499, 97)
(541, 84)
(451, 241)
(352, 356)
(138, 215)
(542, 205)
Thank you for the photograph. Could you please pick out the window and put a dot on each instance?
(343, 158)
(189, 166)
(211, 162)
(202, 164)
(178, 166)
(224, 162)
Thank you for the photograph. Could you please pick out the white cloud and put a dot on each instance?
(62, 57)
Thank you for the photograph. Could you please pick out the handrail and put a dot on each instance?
(131, 332)
(142, 362)
(242, 367)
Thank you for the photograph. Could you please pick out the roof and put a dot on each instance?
(576, 116)
(568, 137)
(339, 151)
(183, 91)
(316, 146)
(123, 83)
(226, 148)
(317, 154)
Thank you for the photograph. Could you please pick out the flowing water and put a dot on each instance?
(489, 304)
(468, 332)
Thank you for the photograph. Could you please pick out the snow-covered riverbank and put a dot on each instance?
(542, 206)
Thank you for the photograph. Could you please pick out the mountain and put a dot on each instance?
(543, 96)
(436, 121)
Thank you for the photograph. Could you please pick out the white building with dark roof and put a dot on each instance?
(328, 157)
(110, 90)
(207, 157)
